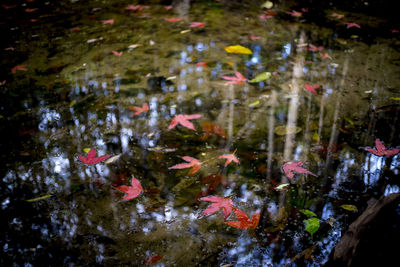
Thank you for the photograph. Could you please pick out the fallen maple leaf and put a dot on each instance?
(30, 10)
(394, 31)
(351, 24)
(117, 53)
(131, 191)
(229, 158)
(195, 164)
(264, 17)
(153, 259)
(184, 121)
(325, 55)
(75, 29)
(202, 64)
(290, 167)
(315, 48)
(294, 13)
(243, 220)
(173, 19)
(18, 67)
(219, 203)
(213, 180)
(137, 7)
(197, 25)
(237, 79)
(91, 157)
(254, 37)
(168, 7)
(212, 128)
(381, 150)
(336, 15)
(139, 110)
(107, 21)
(311, 88)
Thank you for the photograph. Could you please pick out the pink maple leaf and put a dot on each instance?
(202, 64)
(18, 67)
(351, 24)
(244, 222)
(139, 110)
(137, 7)
(131, 191)
(195, 164)
(107, 21)
(294, 13)
(184, 121)
(91, 157)
(290, 168)
(237, 79)
(229, 158)
(173, 19)
(311, 88)
(117, 53)
(264, 17)
(168, 7)
(381, 150)
(197, 24)
(336, 15)
(394, 31)
(75, 29)
(226, 204)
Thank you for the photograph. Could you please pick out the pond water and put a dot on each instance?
(73, 71)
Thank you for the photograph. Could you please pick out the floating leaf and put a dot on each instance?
(281, 186)
(261, 77)
(238, 49)
(312, 225)
(132, 191)
(255, 103)
(284, 130)
(290, 168)
(308, 213)
(86, 150)
(183, 120)
(91, 157)
(39, 198)
(395, 98)
(244, 222)
(381, 150)
(223, 203)
(349, 207)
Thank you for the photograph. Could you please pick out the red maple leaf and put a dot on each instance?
(153, 259)
(107, 21)
(173, 19)
(237, 79)
(381, 150)
(184, 121)
(254, 37)
(137, 7)
(229, 158)
(195, 164)
(197, 24)
(243, 220)
(325, 55)
(202, 64)
(168, 7)
(351, 24)
(213, 180)
(91, 157)
(139, 110)
(311, 88)
(18, 67)
(131, 191)
(210, 128)
(290, 167)
(219, 203)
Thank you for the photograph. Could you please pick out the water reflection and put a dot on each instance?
(85, 220)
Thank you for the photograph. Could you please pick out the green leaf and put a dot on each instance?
(255, 103)
(39, 198)
(261, 77)
(308, 213)
(86, 150)
(312, 225)
(349, 207)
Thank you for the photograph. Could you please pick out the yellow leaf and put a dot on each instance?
(39, 198)
(86, 150)
(394, 98)
(349, 207)
(315, 137)
(284, 130)
(238, 49)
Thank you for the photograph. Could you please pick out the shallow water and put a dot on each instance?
(71, 93)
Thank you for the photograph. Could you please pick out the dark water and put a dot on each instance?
(71, 93)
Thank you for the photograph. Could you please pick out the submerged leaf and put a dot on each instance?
(281, 186)
(238, 49)
(39, 198)
(261, 77)
(312, 225)
(244, 222)
(308, 213)
(349, 207)
(284, 130)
